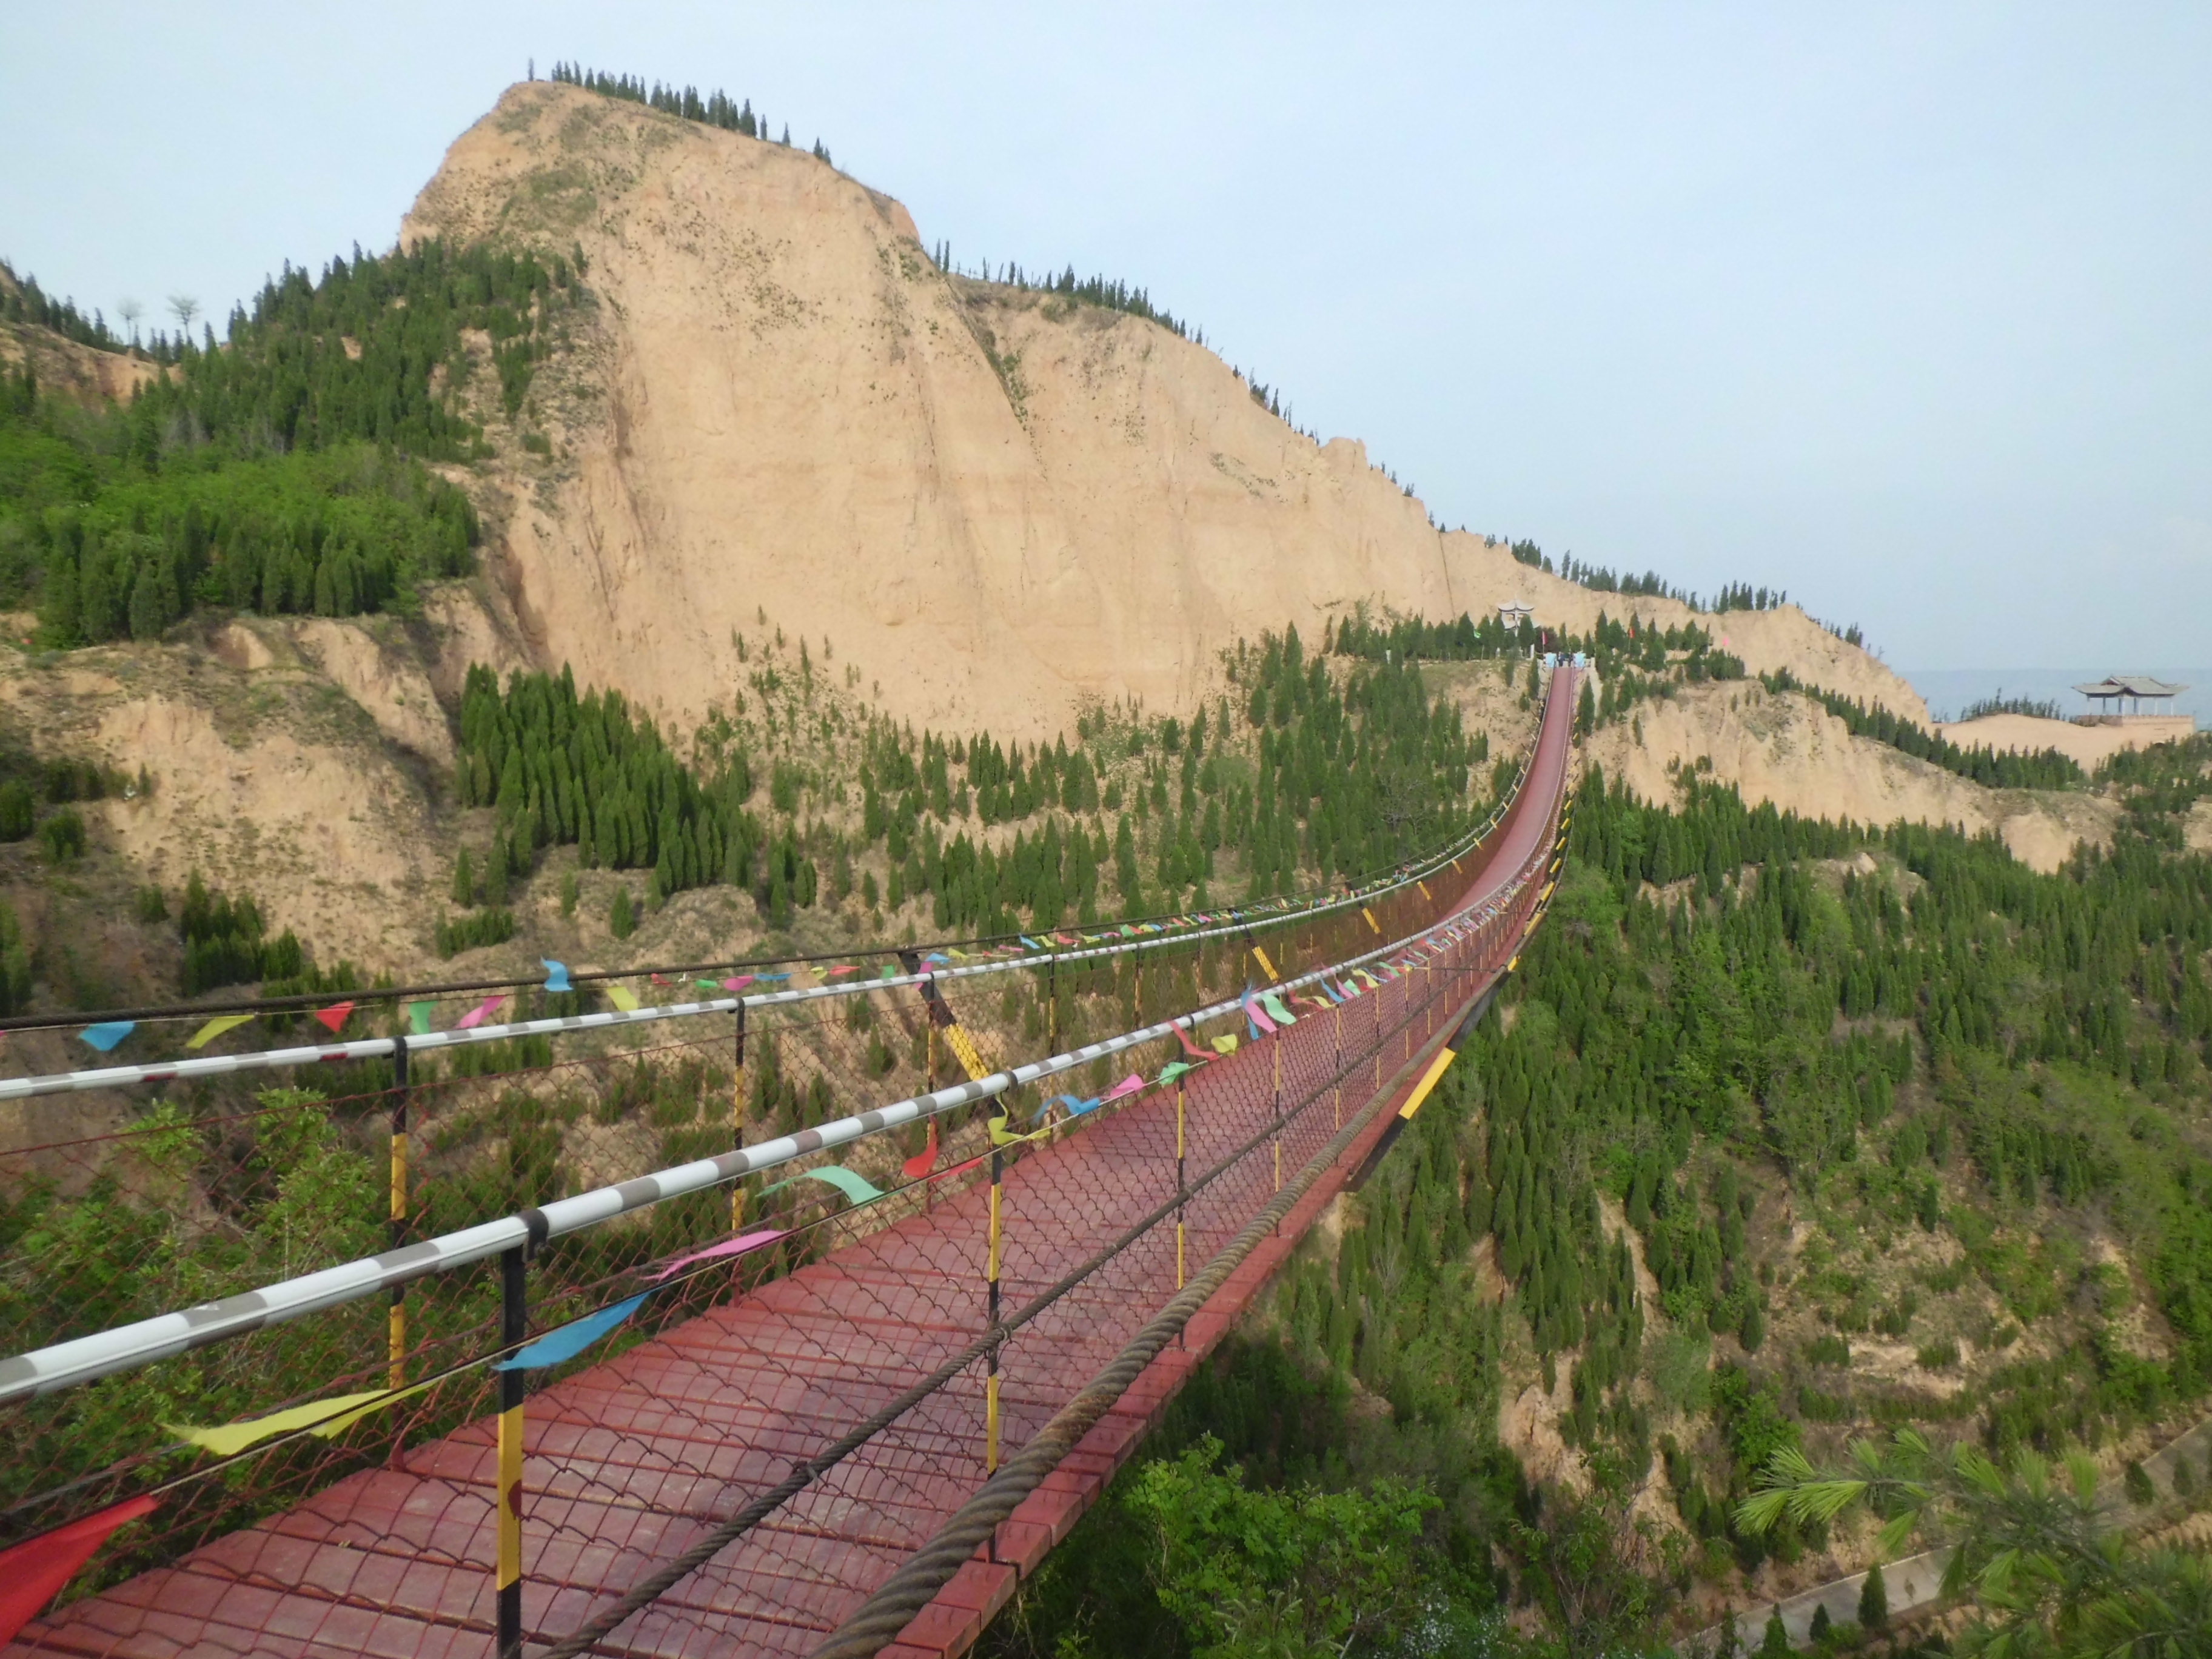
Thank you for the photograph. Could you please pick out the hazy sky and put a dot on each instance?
(1902, 308)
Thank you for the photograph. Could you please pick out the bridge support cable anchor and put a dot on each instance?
(395, 1340)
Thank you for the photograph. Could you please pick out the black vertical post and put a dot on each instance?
(395, 1370)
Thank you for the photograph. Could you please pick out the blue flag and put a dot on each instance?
(570, 1340)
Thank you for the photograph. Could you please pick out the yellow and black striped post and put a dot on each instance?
(738, 1121)
(1182, 1191)
(991, 1293)
(513, 1327)
(1336, 1026)
(1276, 1047)
(395, 1369)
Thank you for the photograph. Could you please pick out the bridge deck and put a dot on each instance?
(630, 1461)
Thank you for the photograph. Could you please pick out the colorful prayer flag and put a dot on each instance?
(924, 1160)
(572, 1338)
(854, 1186)
(334, 1017)
(214, 1028)
(741, 1245)
(477, 1015)
(105, 1035)
(418, 1017)
(622, 997)
(231, 1438)
(32, 1572)
(1224, 1045)
(557, 975)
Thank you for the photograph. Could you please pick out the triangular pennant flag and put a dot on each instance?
(571, 1338)
(1002, 1133)
(1076, 1105)
(106, 1036)
(738, 1246)
(418, 1017)
(338, 1424)
(839, 972)
(557, 975)
(32, 1572)
(1224, 1045)
(214, 1028)
(622, 997)
(1260, 1020)
(477, 1015)
(334, 1017)
(855, 1186)
(1188, 1047)
(924, 1160)
(1127, 1085)
(231, 1438)
(1174, 1069)
(739, 984)
(1274, 1004)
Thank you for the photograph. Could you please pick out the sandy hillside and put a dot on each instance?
(997, 504)
(1785, 748)
(2087, 746)
(63, 365)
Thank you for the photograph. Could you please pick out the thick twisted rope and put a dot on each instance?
(916, 1584)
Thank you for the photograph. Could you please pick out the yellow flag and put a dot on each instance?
(1224, 1045)
(324, 1417)
(214, 1028)
(622, 999)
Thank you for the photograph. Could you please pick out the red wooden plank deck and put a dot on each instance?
(630, 1461)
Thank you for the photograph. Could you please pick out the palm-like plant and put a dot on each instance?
(2033, 1544)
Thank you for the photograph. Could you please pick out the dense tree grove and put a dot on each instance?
(563, 768)
(22, 301)
(1730, 1009)
(281, 473)
(1301, 777)
(716, 109)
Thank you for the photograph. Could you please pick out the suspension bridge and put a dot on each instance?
(753, 1401)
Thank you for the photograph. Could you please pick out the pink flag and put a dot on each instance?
(1127, 1085)
(739, 984)
(477, 1015)
(335, 1015)
(1258, 1016)
(737, 1246)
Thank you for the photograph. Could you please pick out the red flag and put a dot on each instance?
(32, 1573)
(921, 1163)
(335, 1015)
(1188, 1047)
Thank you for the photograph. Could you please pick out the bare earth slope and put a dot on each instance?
(998, 504)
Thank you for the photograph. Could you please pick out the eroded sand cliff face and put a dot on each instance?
(1785, 748)
(998, 504)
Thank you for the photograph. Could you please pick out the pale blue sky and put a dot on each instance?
(1904, 308)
